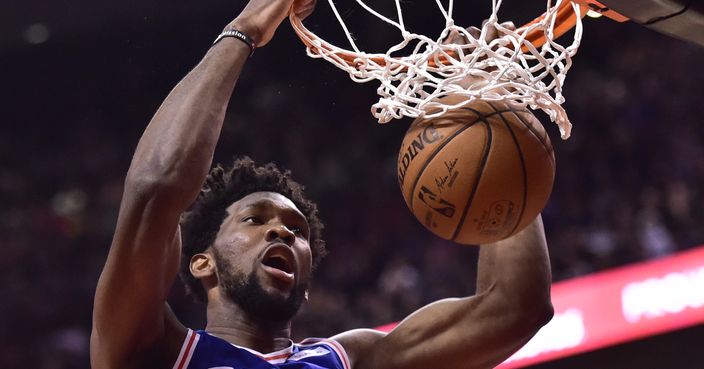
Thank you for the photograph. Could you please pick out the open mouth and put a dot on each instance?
(278, 262)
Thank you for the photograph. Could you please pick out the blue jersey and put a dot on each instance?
(201, 350)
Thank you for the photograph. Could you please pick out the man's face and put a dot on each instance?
(263, 257)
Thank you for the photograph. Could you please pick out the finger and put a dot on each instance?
(474, 32)
(302, 3)
(307, 13)
(454, 37)
(304, 12)
(507, 28)
(490, 30)
(303, 8)
(491, 33)
(509, 25)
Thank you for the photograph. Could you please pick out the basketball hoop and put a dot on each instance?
(525, 65)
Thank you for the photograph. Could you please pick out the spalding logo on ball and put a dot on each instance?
(478, 174)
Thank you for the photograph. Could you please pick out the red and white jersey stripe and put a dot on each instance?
(201, 350)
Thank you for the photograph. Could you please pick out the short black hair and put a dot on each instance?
(222, 187)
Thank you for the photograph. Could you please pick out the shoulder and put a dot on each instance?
(357, 343)
(159, 350)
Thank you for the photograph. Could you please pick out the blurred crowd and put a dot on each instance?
(629, 185)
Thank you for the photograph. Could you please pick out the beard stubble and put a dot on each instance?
(247, 292)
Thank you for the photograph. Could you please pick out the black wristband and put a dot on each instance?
(238, 35)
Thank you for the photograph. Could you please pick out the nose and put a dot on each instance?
(280, 232)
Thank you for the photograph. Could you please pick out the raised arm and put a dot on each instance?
(511, 304)
(130, 318)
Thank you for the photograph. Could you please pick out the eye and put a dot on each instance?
(252, 219)
(299, 231)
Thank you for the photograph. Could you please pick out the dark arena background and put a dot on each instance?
(80, 81)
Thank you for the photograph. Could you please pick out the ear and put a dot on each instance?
(202, 265)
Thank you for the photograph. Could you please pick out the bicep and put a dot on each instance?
(129, 307)
(472, 332)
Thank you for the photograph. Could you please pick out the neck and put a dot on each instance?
(228, 321)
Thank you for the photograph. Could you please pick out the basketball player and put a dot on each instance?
(248, 247)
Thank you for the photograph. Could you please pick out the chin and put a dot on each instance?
(265, 301)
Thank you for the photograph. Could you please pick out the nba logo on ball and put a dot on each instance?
(477, 174)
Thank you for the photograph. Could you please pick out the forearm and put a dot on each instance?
(177, 147)
(481, 331)
(518, 269)
(168, 168)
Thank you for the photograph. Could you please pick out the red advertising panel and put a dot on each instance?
(619, 305)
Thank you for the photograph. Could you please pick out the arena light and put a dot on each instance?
(37, 33)
(593, 14)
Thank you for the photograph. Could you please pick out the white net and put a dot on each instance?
(508, 67)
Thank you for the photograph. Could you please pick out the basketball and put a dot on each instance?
(478, 174)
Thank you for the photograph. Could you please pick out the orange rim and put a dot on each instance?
(565, 20)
